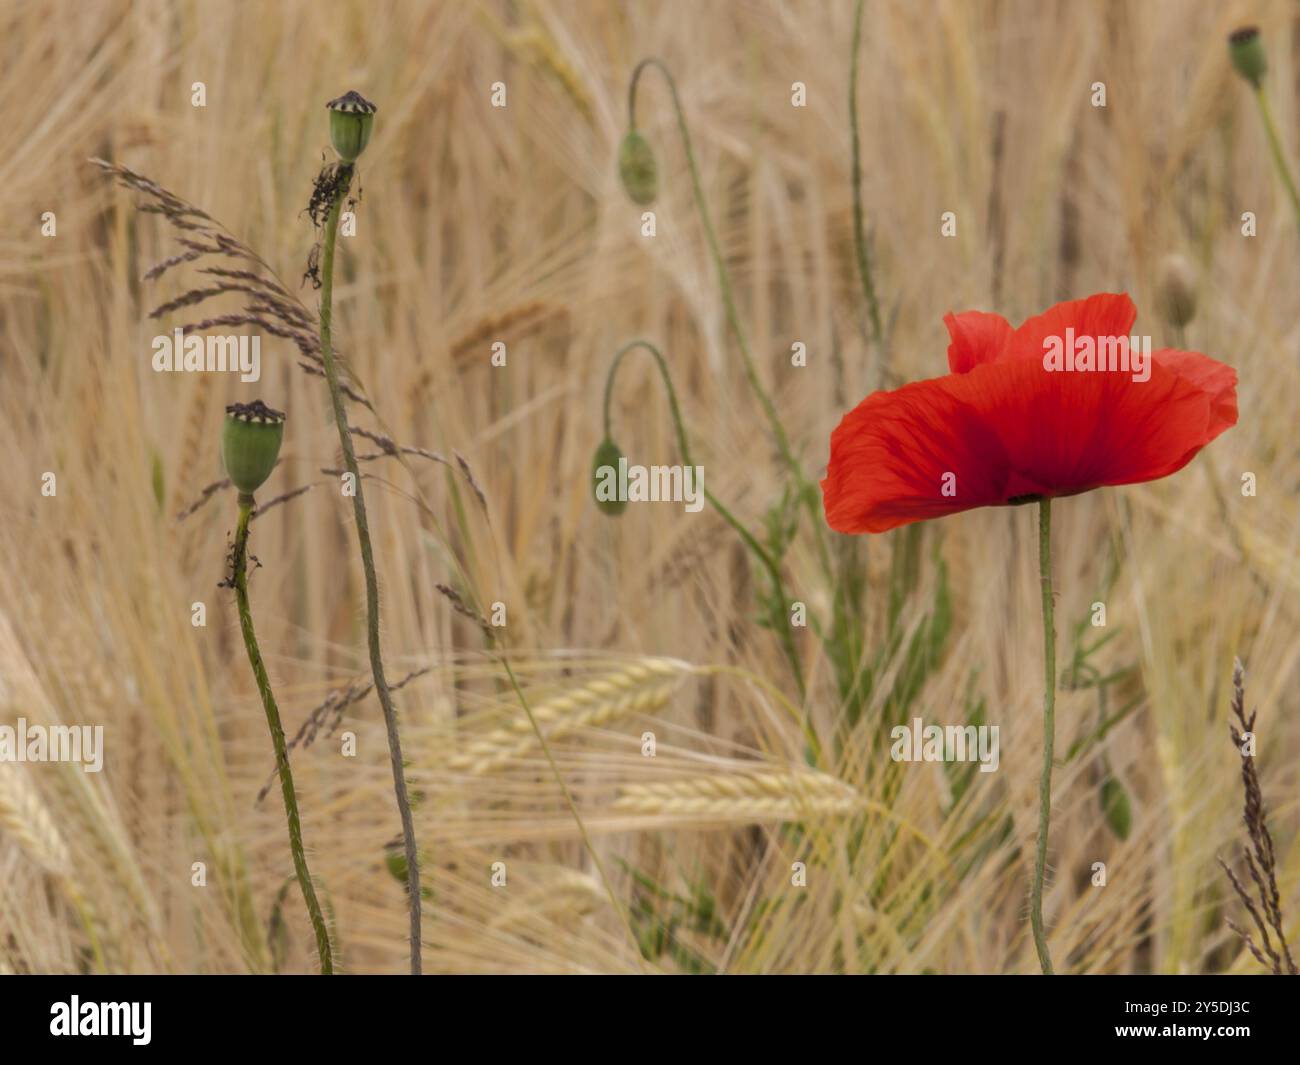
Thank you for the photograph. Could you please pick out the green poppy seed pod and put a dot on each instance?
(1247, 52)
(1177, 290)
(637, 169)
(250, 444)
(604, 478)
(1116, 807)
(352, 117)
(396, 862)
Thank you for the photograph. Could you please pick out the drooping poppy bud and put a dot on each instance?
(604, 478)
(1116, 807)
(1177, 290)
(395, 860)
(637, 169)
(1247, 52)
(352, 117)
(250, 444)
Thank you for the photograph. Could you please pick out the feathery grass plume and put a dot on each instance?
(1246, 50)
(1264, 907)
(351, 117)
(329, 715)
(250, 447)
(267, 304)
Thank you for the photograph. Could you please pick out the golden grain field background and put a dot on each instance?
(482, 224)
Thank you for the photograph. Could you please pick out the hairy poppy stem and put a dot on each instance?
(683, 444)
(1049, 731)
(1275, 146)
(239, 564)
(368, 563)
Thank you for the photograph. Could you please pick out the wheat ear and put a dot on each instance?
(639, 688)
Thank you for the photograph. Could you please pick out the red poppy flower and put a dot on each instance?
(1010, 423)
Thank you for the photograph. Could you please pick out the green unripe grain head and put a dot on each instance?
(352, 117)
(250, 444)
(637, 169)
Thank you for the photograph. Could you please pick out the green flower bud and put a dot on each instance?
(395, 860)
(1177, 290)
(1116, 807)
(352, 117)
(1247, 53)
(637, 169)
(250, 444)
(604, 478)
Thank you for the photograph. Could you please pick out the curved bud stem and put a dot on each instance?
(683, 444)
(239, 565)
(724, 279)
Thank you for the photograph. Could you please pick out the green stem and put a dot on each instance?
(724, 280)
(1275, 145)
(683, 444)
(859, 227)
(1049, 731)
(368, 564)
(240, 567)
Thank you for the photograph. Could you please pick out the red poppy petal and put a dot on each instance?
(1011, 429)
(977, 337)
(1213, 377)
(1068, 432)
(1107, 314)
(893, 456)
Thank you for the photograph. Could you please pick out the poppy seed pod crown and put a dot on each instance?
(352, 117)
(1247, 53)
(250, 444)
